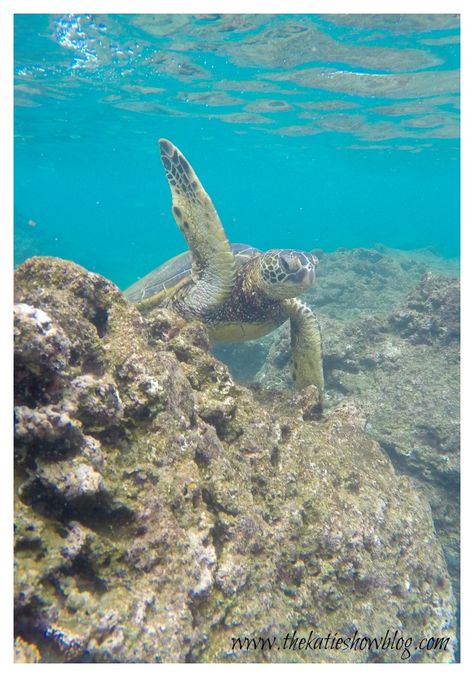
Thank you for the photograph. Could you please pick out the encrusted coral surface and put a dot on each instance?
(163, 510)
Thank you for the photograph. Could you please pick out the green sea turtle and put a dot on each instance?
(239, 292)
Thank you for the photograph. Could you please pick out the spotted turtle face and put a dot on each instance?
(287, 272)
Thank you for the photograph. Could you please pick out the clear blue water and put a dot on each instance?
(306, 130)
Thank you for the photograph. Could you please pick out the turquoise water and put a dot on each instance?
(306, 130)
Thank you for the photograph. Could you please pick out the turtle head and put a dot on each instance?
(286, 272)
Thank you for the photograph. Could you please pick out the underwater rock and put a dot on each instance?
(45, 429)
(26, 653)
(193, 511)
(391, 340)
(356, 282)
(70, 479)
(431, 313)
(96, 402)
(40, 347)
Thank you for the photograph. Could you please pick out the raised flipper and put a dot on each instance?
(213, 265)
(306, 345)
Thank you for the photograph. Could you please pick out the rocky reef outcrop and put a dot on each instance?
(165, 513)
(391, 329)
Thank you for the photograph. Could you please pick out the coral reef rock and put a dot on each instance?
(391, 342)
(164, 513)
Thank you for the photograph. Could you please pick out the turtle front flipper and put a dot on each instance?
(213, 265)
(306, 345)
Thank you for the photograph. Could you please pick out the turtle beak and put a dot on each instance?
(310, 265)
(304, 276)
(310, 276)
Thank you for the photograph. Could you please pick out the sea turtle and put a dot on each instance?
(239, 292)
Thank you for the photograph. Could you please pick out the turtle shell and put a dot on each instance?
(169, 274)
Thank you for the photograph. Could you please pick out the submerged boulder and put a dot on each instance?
(164, 513)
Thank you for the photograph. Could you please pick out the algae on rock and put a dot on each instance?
(162, 510)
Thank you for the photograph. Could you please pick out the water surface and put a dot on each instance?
(307, 131)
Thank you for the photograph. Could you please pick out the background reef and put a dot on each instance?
(162, 508)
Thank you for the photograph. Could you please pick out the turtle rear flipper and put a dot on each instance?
(306, 346)
(213, 265)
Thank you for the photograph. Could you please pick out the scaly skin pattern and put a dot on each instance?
(213, 268)
(247, 313)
